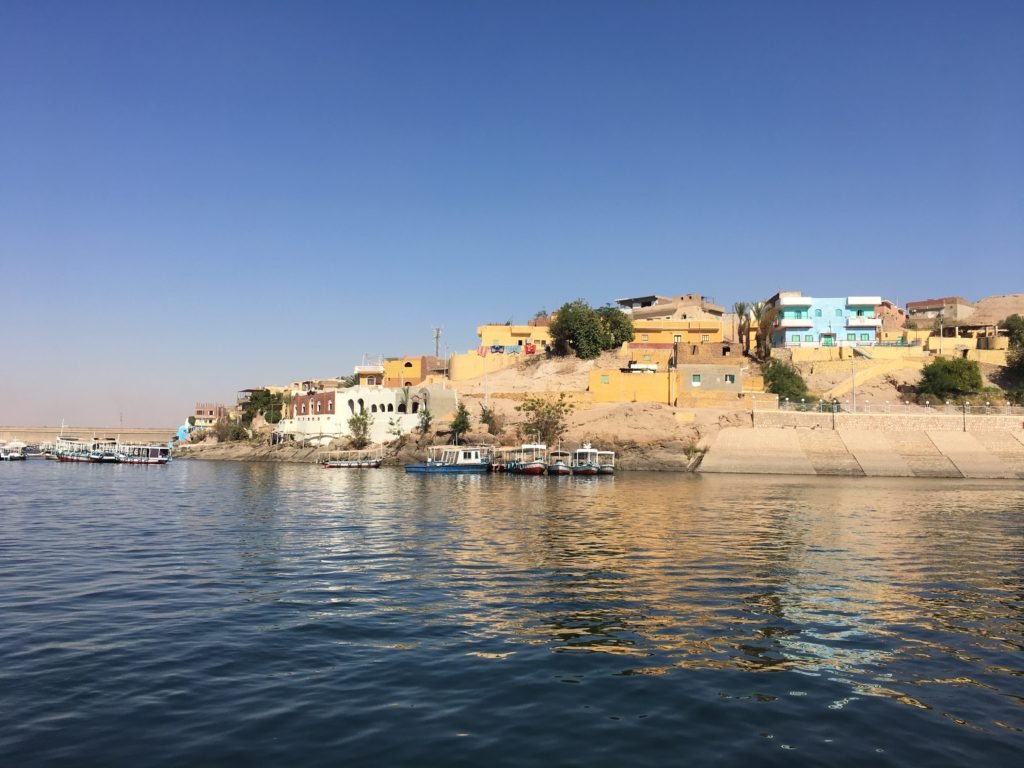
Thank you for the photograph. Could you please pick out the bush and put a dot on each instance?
(460, 424)
(783, 380)
(546, 420)
(489, 418)
(359, 425)
(946, 378)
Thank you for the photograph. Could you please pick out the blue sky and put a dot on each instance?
(197, 197)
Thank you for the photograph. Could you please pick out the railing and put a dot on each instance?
(980, 408)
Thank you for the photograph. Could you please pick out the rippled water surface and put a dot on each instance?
(213, 613)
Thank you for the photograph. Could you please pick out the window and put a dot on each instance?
(795, 338)
(730, 378)
(851, 337)
(643, 337)
(647, 358)
(817, 313)
(695, 379)
(677, 339)
(705, 338)
(809, 337)
(860, 313)
(839, 313)
(865, 337)
(604, 379)
(318, 407)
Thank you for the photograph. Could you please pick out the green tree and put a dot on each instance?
(763, 317)
(783, 380)
(426, 419)
(359, 425)
(945, 378)
(1015, 365)
(349, 381)
(577, 327)
(617, 324)
(1014, 327)
(545, 417)
(742, 311)
(261, 402)
(489, 418)
(460, 425)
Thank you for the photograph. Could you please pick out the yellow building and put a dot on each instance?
(655, 341)
(514, 336)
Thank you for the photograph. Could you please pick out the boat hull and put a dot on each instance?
(559, 469)
(587, 470)
(447, 469)
(352, 464)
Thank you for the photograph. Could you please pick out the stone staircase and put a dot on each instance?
(920, 454)
(1004, 445)
(827, 452)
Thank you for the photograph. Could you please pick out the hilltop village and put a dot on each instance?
(691, 368)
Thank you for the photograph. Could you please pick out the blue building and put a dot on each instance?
(803, 321)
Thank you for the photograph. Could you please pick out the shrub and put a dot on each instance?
(545, 418)
(491, 420)
(460, 424)
(588, 332)
(359, 425)
(783, 380)
(946, 378)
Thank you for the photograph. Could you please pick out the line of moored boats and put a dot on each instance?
(102, 450)
(527, 459)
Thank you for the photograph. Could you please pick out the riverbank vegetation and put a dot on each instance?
(586, 332)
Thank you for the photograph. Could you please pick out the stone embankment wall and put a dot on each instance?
(873, 447)
(890, 421)
(49, 434)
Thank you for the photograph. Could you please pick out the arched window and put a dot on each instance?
(401, 407)
(415, 406)
(352, 406)
(362, 406)
(408, 365)
(817, 313)
(391, 407)
(373, 408)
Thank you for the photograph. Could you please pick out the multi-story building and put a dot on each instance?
(689, 306)
(804, 321)
(657, 341)
(208, 414)
(952, 309)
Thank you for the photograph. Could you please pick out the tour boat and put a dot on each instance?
(559, 463)
(606, 462)
(530, 459)
(585, 460)
(454, 459)
(352, 459)
(72, 449)
(12, 452)
(137, 453)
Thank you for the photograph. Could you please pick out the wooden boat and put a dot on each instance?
(355, 459)
(584, 460)
(558, 463)
(454, 459)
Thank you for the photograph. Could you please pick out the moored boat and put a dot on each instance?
(530, 459)
(558, 463)
(606, 462)
(585, 461)
(355, 459)
(454, 459)
(138, 453)
(12, 452)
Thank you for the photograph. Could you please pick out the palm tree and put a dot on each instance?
(764, 315)
(742, 311)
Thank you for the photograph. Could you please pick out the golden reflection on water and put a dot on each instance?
(844, 578)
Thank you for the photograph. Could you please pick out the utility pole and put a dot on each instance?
(437, 342)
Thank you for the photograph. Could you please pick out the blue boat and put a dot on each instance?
(454, 458)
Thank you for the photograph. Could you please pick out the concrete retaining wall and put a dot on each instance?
(873, 452)
(889, 421)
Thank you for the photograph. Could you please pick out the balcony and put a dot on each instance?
(795, 301)
(794, 322)
(863, 322)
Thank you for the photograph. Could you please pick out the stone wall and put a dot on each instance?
(889, 421)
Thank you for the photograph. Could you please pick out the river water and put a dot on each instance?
(212, 613)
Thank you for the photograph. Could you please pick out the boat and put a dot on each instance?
(356, 459)
(454, 459)
(72, 449)
(585, 460)
(558, 463)
(140, 453)
(606, 462)
(529, 459)
(12, 452)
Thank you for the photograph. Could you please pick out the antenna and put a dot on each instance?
(437, 341)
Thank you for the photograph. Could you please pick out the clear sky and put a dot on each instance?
(198, 197)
